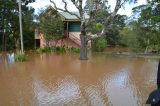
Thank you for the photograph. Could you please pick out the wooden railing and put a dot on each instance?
(75, 39)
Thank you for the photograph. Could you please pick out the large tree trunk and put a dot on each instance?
(4, 42)
(83, 53)
(83, 37)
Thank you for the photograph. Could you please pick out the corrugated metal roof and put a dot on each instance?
(66, 15)
(69, 16)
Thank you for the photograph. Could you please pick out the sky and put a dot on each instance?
(39, 4)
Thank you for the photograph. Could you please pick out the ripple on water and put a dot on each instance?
(58, 80)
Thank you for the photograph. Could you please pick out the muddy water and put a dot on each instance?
(63, 80)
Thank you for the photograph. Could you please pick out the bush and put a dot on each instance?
(44, 50)
(60, 50)
(74, 50)
(154, 47)
(99, 44)
(20, 56)
(57, 50)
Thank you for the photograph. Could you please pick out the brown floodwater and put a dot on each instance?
(64, 80)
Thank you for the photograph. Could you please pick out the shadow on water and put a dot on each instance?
(56, 80)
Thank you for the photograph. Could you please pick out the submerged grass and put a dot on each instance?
(57, 50)
(19, 56)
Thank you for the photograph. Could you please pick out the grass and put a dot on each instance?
(19, 56)
(57, 50)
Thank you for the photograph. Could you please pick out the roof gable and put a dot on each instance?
(64, 15)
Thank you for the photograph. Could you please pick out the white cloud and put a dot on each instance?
(127, 11)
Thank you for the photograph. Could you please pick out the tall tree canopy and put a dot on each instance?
(149, 14)
(143, 33)
(9, 22)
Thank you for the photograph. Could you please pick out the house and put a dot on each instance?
(71, 36)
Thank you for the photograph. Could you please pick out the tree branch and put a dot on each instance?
(93, 12)
(123, 2)
(65, 8)
(110, 19)
(75, 3)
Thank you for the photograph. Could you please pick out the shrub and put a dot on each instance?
(74, 50)
(99, 44)
(154, 47)
(58, 50)
(20, 56)
(44, 50)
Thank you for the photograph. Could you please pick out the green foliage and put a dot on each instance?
(113, 35)
(143, 34)
(9, 20)
(154, 47)
(139, 38)
(149, 14)
(46, 49)
(20, 56)
(96, 28)
(74, 50)
(98, 22)
(99, 44)
(60, 50)
(90, 5)
(51, 26)
(57, 50)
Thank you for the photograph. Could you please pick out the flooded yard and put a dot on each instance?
(64, 80)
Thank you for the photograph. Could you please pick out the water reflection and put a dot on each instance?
(67, 91)
(119, 85)
(58, 80)
(11, 58)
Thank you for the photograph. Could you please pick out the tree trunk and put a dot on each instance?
(83, 37)
(3, 42)
(110, 19)
(108, 23)
(16, 44)
(83, 52)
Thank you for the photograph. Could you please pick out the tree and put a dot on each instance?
(90, 5)
(149, 14)
(113, 35)
(9, 22)
(51, 26)
(146, 29)
(97, 23)
(94, 5)
(110, 18)
(84, 23)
